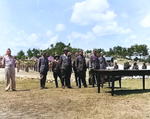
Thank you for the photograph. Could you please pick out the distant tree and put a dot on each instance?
(30, 54)
(23, 57)
(130, 51)
(88, 51)
(59, 48)
(109, 53)
(124, 52)
(148, 59)
(118, 50)
(144, 50)
(36, 52)
(20, 55)
(52, 45)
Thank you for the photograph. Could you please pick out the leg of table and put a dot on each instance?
(144, 82)
(120, 82)
(112, 93)
(98, 83)
(109, 81)
(109, 84)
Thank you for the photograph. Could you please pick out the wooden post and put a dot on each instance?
(143, 82)
(98, 83)
(112, 93)
(120, 82)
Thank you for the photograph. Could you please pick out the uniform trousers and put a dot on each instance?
(43, 80)
(82, 78)
(57, 74)
(65, 77)
(10, 78)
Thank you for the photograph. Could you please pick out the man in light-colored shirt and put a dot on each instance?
(9, 64)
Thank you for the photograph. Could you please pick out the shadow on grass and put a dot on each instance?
(128, 92)
(22, 90)
(117, 88)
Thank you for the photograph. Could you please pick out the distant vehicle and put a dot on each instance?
(109, 61)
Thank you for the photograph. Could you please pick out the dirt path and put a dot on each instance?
(29, 75)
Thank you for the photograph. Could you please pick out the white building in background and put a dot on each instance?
(140, 57)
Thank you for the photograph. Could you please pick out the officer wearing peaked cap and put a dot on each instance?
(66, 49)
(80, 64)
(65, 64)
(56, 69)
(75, 70)
(93, 64)
(102, 62)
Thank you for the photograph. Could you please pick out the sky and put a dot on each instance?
(86, 24)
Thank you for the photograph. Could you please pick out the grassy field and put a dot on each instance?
(30, 102)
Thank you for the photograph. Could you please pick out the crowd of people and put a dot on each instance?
(62, 67)
(135, 66)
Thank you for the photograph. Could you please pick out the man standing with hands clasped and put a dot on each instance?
(43, 69)
(65, 64)
(93, 64)
(80, 65)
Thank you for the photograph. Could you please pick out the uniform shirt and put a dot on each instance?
(102, 62)
(8, 61)
(63, 62)
(43, 65)
(135, 67)
(55, 65)
(80, 63)
(93, 62)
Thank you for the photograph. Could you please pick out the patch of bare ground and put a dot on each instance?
(30, 102)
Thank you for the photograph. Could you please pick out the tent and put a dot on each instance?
(33, 58)
(50, 58)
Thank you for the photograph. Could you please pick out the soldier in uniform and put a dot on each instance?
(65, 64)
(102, 62)
(43, 69)
(18, 64)
(69, 68)
(93, 64)
(56, 69)
(75, 70)
(80, 65)
(23, 65)
(127, 66)
(35, 66)
(116, 66)
(144, 66)
(87, 66)
(27, 67)
(135, 66)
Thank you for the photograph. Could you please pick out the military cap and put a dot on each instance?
(56, 56)
(101, 53)
(80, 50)
(66, 49)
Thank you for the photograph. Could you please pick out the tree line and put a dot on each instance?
(52, 50)
(116, 51)
(123, 52)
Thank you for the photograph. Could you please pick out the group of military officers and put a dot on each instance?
(62, 68)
